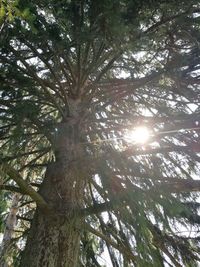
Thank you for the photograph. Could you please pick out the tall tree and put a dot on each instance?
(76, 78)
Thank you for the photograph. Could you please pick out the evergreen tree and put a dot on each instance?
(76, 77)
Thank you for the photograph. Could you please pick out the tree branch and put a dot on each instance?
(133, 152)
(121, 249)
(121, 199)
(25, 187)
(11, 188)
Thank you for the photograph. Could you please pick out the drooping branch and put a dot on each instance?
(133, 152)
(11, 188)
(120, 248)
(19, 155)
(121, 199)
(24, 186)
(181, 186)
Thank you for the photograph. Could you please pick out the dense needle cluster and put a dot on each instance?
(76, 77)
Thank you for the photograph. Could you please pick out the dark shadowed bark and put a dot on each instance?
(55, 234)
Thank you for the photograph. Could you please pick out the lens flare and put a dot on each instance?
(138, 135)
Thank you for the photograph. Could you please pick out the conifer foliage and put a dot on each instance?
(76, 78)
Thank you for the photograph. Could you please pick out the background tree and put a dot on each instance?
(75, 79)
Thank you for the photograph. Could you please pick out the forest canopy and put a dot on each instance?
(78, 79)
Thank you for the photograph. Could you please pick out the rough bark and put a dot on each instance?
(54, 237)
(53, 242)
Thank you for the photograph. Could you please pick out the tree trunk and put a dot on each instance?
(54, 238)
(9, 230)
(53, 242)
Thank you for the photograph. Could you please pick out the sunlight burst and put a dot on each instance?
(138, 135)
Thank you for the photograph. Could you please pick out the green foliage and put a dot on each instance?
(9, 10)
(97, 69)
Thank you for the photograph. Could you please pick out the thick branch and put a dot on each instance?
(24, 186)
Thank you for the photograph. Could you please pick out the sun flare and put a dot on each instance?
(138, 135)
